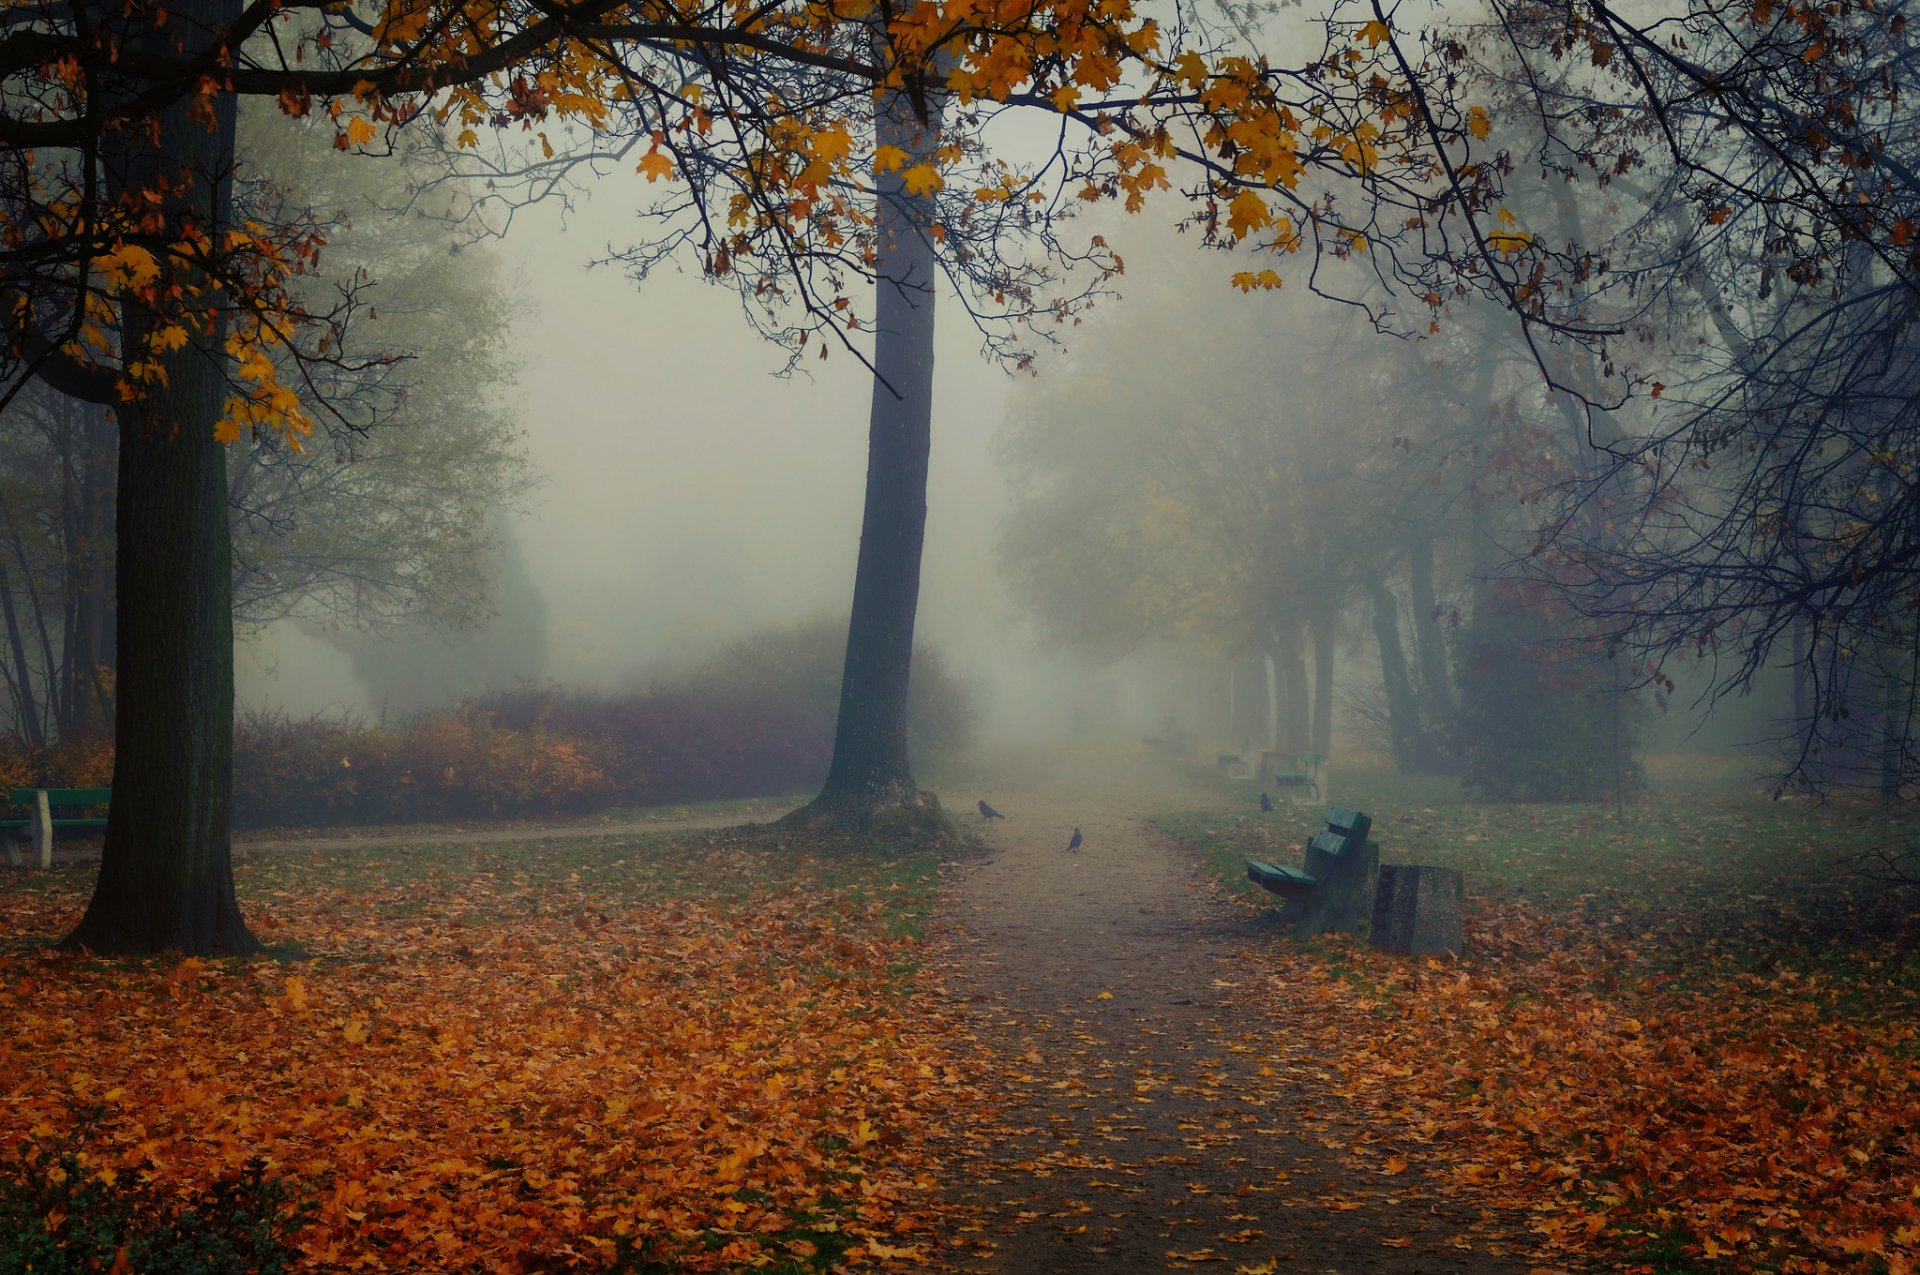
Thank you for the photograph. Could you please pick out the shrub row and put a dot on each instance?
(754, 720)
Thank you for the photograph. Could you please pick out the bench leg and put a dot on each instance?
(42, 830)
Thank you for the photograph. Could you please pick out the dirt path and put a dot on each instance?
(1158, 1117)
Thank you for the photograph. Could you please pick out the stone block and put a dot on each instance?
(1417, 910)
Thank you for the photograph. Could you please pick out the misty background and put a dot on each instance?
(680, 493)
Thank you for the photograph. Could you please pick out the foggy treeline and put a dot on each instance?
(1475, 547)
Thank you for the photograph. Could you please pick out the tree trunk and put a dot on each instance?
(89, 650)
(1430, 645)
(1322, 622)
(166, 875)
(20, 680)
(870, 771)
(1403, 710)
(1273, 701)
(1297, 728)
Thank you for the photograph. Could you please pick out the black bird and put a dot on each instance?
(1266, 804)
(988, 812)
(1075, 843)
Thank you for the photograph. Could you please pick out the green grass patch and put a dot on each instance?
(1749, 877)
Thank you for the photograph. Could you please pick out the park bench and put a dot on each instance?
(1332, 888)
(1234, 766)
(40, 823)
(1303, 777)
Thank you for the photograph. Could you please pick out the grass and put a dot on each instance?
(1724, 858)
(1695, 1009)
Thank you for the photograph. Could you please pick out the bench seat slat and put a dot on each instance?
(64, 796)
(1281, 879)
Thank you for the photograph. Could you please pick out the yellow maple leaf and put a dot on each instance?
(832, 145)
(923, 179)
(1478, 122)
(128, 266)
(655, 165)
(1247, 213)
(876, 1249)
(1509, 241)
(1376, 33)
(360, 130)
(887, 158)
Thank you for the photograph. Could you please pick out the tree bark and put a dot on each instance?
(1430, 646)
(1403, 710)
(1273, 700)
(1322, 624)
(870, 770)
(166, 875)
(1297, 728)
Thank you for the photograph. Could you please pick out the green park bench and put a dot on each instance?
(1332, 887)
(40, 822)
(1304, 777)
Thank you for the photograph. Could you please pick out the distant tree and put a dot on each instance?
(417, 664)
(389, 513)
(755, 103)
(1204, 512)
(1744, 178)
(370, 521)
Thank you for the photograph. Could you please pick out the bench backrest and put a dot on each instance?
(1348, 822)
(64, 796)
(1328, 853)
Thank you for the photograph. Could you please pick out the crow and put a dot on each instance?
(1266, 804)
(988, 812)
(1075, 843)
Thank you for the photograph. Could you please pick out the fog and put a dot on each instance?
(681, 492)
(1187, 525)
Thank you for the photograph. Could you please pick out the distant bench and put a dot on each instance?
(40, 824)
(1304, 777)
(1332, 887)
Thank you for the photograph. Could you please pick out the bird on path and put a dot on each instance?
(1075, 843)
(1266, 804)
(988, 812)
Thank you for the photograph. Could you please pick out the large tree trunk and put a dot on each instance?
(166, 875)
(870, 771)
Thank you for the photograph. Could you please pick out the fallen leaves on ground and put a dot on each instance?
(506, 1071)
(1637, 1089)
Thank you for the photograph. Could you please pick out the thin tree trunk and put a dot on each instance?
(1403, 710)
(1273, 700)
(166, 874)
(1297, 729)
(20, 681)
(870, 770)
(93, 586)
(1430, 646)
(1322, 625)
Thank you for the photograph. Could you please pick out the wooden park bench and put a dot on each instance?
(1333, 889)
(39, 825)
(1304, 777)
